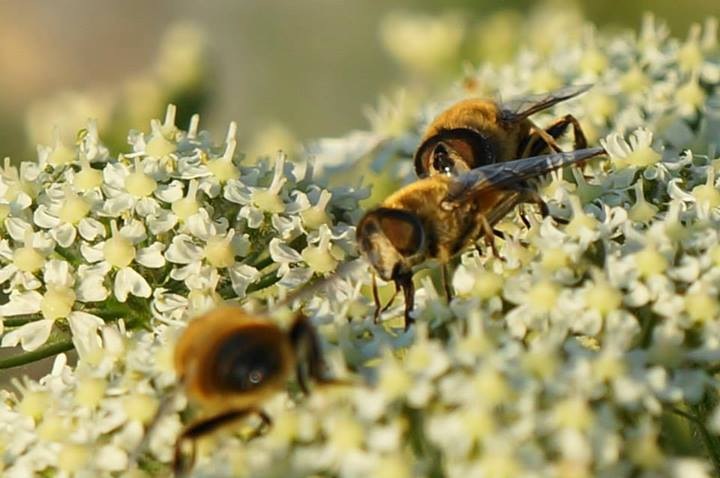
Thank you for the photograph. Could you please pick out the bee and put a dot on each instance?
(439, 216)
(230, 362)
(478, 132)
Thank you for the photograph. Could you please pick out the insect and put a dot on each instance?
(439, 216)
(477, 132)
(230, 362)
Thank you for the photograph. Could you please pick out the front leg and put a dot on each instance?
(183, 463)
(487, 232)
(404, 282)
(529, 195)
(445, 279)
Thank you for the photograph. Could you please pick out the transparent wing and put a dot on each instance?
(520, 108)
(501, 175)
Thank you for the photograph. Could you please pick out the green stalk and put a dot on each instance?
(45, 351)
(711, 443)
(18, 321)
(265, 282)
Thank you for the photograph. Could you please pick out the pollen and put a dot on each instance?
(392, 467)
(642, 157)
(73, 457)
(642, 211)
(691, 94)
(138, 183)
(34, 404)
(159, 145)
(608, 367)
(487, 284)
(603, 298)
(53, 427)
(90, 391)
(268, 201)
(319, 257)
(650, 262)
(223, 168)
(118, 251)
(61, 155)
(316, 216)
(554, 258)
(573, 413)
(26, 258)
(707, 193)
(394, 381)
(634, 81)
(87, 178)
(346, 434)
(581, 220)
(74, 208)
(140, 407)
(701, 307)
(593, 62)
(219, 252)
(492, 386)
(543, 296)
(57, 303)
(185, 207)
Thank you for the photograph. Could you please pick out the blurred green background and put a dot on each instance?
(285, 70)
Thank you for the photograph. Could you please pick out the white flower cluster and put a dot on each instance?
(590, 349)
(154, 235)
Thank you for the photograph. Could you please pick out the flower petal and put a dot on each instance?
(151, 256)
(30, 336)
(127, 281)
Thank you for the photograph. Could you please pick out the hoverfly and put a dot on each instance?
(439, 216)
(478, 132)
(230, 362)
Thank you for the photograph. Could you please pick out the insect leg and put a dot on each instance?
(183, 463)
(488, 234)
(307, 347)
(538, 132)
(391, 300)
(446, 282)
(405, 283)
(559, 127)
(266, 423)
(529, 195)
(376, 298)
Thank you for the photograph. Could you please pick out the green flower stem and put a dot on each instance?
(18, 321)
(266, 281)
(66, 254)
(39, 354)
(263, 263)
(712, 443)
(421, 446)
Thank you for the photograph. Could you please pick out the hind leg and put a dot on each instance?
(182, 463)
(543, 139)
(558, 128)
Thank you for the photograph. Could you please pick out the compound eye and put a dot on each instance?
(441, 161)
(256, 376)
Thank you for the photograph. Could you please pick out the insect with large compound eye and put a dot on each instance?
(230, 362)
(439, 216)
(478, 132)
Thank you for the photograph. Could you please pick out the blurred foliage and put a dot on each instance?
(180, 75)
(428, 41)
